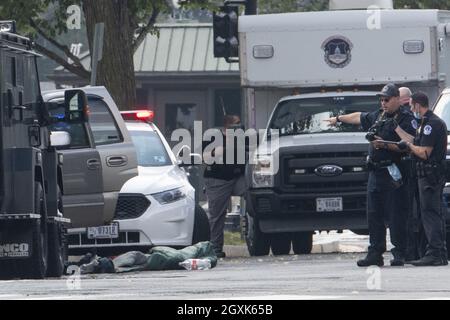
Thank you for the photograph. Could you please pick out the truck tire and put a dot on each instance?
(57, 250)
(36, 266)
(258, 243)
(302, 242)
(448, 244)
(201, 230)
(280, 243)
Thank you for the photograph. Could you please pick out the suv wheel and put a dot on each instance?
(258, 243)
(302, 242)
(280, 243)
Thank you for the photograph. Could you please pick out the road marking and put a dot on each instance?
(79, 297)
(9, 296)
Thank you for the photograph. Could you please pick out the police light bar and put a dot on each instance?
(138, 115)
(8, 26)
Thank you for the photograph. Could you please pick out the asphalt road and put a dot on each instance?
(316, 276)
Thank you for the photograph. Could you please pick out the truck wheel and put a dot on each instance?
(258, 243)
(201, 226)
(57, 250)
(448, 244)
(36, 266)
(280, 243)
(302, 242)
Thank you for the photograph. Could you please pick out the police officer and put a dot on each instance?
(222, 180)
(430, 148)
(383, 174)
(408, 194)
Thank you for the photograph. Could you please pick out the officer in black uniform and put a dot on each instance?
(408, 193)
(384, 175)
(430, 148)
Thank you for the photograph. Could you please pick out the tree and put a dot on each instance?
(127, 23)
(423, 4)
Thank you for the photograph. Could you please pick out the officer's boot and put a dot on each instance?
(372, 259)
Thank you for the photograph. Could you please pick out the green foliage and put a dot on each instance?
(279, 6)
(423, 4)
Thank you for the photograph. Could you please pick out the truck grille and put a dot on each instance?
(298, 172)
(131, 206)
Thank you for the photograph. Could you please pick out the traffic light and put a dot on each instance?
(225, 25)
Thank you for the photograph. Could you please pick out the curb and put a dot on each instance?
(240, 251)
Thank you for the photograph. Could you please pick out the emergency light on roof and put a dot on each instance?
(138, 115)
(8, 26)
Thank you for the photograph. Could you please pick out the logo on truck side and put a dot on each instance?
(14, 250)
(328, 170)
(337, 51)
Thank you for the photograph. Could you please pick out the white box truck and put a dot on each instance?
(312, 66)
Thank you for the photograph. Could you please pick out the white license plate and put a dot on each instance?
(329, 204)
(104, 232)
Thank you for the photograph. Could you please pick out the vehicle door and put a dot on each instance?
(82, 171)
(113, 142)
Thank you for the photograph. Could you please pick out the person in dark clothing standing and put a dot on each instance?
(429, 148)
(384, 174)
(223, 180)
(408, 194)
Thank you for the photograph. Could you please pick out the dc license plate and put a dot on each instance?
(329, 204)
(104, 232)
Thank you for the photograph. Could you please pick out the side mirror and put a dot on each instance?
(195, 159)
(75, 105)
(59, 138)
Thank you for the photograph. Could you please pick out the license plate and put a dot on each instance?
(104, 232)
(329, 204)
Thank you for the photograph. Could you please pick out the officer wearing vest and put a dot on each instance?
(384, 174)
(429, 149)
(408, 193)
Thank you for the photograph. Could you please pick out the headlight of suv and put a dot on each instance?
(262, 172)
(170, 196)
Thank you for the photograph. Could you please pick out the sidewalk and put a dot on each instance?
(332, 242)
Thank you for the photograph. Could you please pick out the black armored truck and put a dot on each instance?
(32, 224)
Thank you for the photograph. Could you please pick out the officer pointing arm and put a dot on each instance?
(383, 159)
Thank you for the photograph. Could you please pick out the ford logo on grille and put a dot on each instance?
(328, 170)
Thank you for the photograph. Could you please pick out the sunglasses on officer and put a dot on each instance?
(385, 99)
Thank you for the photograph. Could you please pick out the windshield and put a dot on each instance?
(306, 116)
(150, 149)
(442, 109)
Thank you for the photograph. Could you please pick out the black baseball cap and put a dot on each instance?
(420, 98)
(389, 90)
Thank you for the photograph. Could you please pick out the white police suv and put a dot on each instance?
(155, 208)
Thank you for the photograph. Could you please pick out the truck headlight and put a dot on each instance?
(170, 196)
(262, 173)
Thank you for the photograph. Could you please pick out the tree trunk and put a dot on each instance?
(116, 69)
